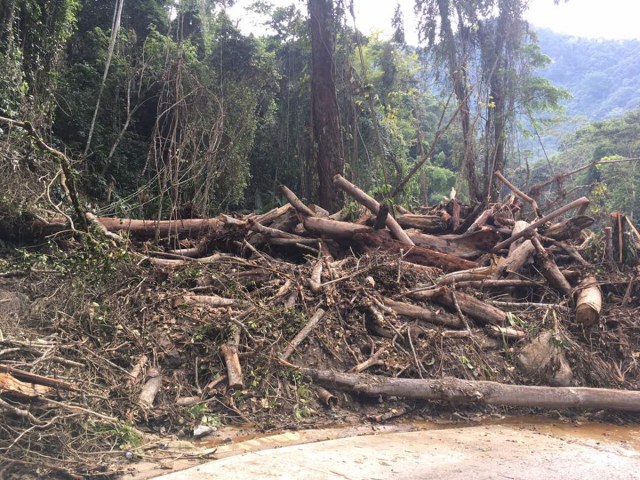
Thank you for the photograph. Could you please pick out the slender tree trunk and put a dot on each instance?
(457, 64)
(115, 28)
(326, 128)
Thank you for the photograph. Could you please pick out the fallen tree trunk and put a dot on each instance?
(470, 305)
(427, 223)
(300, 207)
(479, 392)
(372, 205)
(519, 254)
(468, 245)
(569, 229)
(550, 270)
(193, 227)
(381, 239)
(582, 201)
(416, 254)
(424, 314)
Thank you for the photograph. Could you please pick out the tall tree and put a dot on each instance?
(438, 18)
(326, 126)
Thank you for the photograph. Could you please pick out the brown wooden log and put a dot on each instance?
(38, 379)
(9, 384)
(209, 300)
(373, 239)
(416, 254)
(481, 221)
(372, 205)
(468, 245)
(300, 207)
(568, 229)
(268, 217)
(229, 352)
(381, 217)
(518, 256)
(302, 334)
(519, 193)
(550, 270)
(541, 221)
(334, 229)
(147, 228)
(505, 332)
(151, 388)
(424, 314)
(479, 392)
(589, 301)
(518, 227)
(471, 306)
(427, 223)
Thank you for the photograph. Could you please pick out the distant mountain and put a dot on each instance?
(602, 75)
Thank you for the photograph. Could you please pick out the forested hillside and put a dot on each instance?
(602, 75)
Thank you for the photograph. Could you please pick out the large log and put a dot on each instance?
(589, 301)
(468, 245)
(569, 229)
(416, 254)
(372, 205)
(380, 239)
(427, 223)
(421, 313)
(193, 227)
(470, 305)
(581, 202)
(479, 392)
(550, 270)
(334, 229)
(519, 254)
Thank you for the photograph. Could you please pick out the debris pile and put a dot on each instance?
(266, 320)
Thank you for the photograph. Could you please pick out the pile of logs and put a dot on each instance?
(488, 250)
(463, 252)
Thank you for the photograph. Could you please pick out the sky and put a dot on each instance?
(610, 19)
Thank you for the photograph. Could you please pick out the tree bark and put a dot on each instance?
(372, 205)
(470, 305)
(326, 128)
(479, 392)
(427, 223)
(589, 302)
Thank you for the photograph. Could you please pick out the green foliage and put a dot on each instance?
(602, 75)
(125, 436)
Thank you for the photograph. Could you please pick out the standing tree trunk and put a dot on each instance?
(115, 29)
(326, 128)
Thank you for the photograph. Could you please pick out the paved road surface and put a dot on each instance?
(471, 453)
